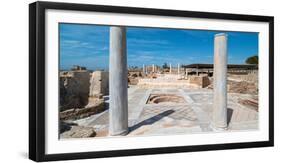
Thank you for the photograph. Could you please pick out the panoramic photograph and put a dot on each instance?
(142, 81)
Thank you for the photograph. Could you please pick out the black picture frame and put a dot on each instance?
(37, 80)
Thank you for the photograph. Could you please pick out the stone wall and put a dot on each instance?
(249, 77)
(242, 87)
(200, 81)
(246, 84)
(134, 76)
(81, 93)
(174, 81)
(77, 113)
(74, 89)
(99, 84)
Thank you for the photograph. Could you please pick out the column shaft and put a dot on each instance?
(146, 70)
(118, 82)
(220, 82)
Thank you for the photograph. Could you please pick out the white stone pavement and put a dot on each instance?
(192, 116)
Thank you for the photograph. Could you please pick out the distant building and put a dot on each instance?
(78, 68)
(199, 68)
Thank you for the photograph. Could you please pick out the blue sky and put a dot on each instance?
(88, 45)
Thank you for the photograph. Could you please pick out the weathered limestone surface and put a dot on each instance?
(192, 116)
(249, 77)
(96, 106)
(134, 76)
(243, 83)
(174, 81)
(79, 132)
(200, 81)
(99, 84)
(219, 116)
(118, 82)
(74, 89)
(162, 80)
(242, 87)
(239, 86)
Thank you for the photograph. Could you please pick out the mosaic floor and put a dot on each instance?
(189, 116)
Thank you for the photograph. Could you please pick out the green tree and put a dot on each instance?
(252, 60)
(165, 66)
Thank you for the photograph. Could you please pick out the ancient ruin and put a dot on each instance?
(153, 100)
(74, 89)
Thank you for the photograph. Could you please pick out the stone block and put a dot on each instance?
(94, 107)
(99, 84)
(74, 89)
(200, 81)
(79, 132)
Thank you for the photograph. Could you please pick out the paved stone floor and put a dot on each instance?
(192, 116)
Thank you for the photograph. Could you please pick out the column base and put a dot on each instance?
(218, 129)
(122, 133)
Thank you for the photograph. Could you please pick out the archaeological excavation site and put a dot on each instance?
(158, 99)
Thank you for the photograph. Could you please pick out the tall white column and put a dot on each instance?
(170, 68)
(118, 82)
(178, 68)
(153, 68)
(143, 68)
(219, 118)
(146, 70)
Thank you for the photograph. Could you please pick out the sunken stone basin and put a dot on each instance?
(165, 99)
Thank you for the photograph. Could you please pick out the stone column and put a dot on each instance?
(143, 68)
(170, 68)
(153, 68)
(118, 82)
(219, 117)
(178, 68)
(146, 70)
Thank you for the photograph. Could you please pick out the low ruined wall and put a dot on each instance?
(134, 76)
(200, 81)
(81, 93)
(163, 82)
(77, 113)
(99, 84)
(249, 77)
(242, 87)
(243, 83)
(174, 81)
(74, 89)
